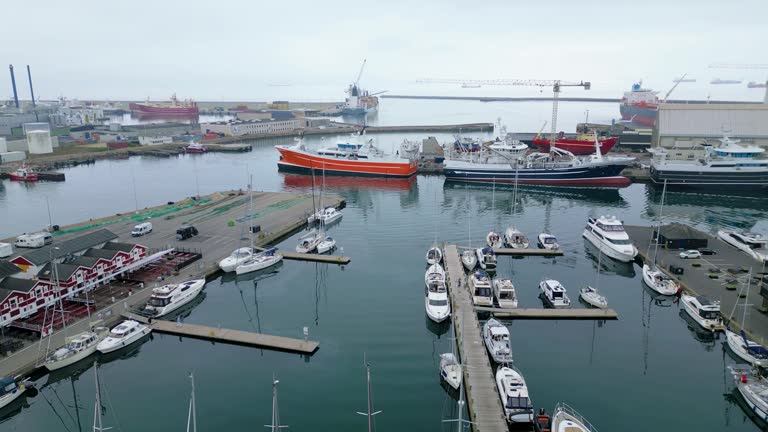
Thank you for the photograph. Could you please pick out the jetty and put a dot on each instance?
(321, 258)
(528, 252)
(551, 314)
(485, 410)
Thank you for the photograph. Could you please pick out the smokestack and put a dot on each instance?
(31, 90)
(13, 83)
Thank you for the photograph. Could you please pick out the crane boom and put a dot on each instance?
(360, 74)
(506, 82)
(677, 83)
(737, 66)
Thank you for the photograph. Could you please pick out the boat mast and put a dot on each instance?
(192, 415)
(658, 228)
(250, 211)
(275, 426)
(370, 412)
(97, 423)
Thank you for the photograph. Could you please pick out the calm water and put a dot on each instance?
(648, 366)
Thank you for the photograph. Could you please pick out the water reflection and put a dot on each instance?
(131, 351)
(706, 337)
(438, 329)
(542, 194)
(14, 408)
(607, 264)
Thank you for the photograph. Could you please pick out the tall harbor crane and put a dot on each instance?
(555, 84)
(743, 66)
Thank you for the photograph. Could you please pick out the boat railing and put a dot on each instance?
(562, 406)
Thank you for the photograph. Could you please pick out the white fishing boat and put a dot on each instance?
(486, 258)
(505, 294)
(515, 239)
(658, 281)
(753, 388)
(260, 261)
(608, 235)
(754, 245)
(513, 392)
(567, 419)
(493, 240)
(593, 298)
(126, 333)
(309, 241)
(434, 255)
(469, 259)
(704, 311)
(77, 348)
(450, 370)
(436, 295)
(326, 216)
(480, 288)
(230, 263)
(548, 241)
(327, 245)
(554, 293)
(748, 350)
(168, 298)
(10, 390)
(496, 337)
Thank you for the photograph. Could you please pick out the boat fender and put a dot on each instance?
(743, 378)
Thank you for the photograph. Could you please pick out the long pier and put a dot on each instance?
(483, 402)
(552, 314)
(528, 252)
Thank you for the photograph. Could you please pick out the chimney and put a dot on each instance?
(13, 83)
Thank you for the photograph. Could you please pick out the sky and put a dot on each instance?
(311, 50)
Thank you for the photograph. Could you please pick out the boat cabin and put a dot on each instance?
(706, 308)
(82, 341)
(751, 240)
(8, 385)
(498, 333)
(125, 329)
(438, 301)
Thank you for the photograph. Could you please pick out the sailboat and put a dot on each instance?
(450, 368)
(653, 276)
(493, 239)
(275, 426)
(241, 254)
(748, 350)
(513, 237)
(589, 294)
(370, 412)
(192, 414)
(309, 241)
(328, 243)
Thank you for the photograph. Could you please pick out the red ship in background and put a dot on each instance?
(640, 105)
(173, 107)
(581, 144)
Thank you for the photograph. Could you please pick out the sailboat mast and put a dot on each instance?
(250, 211)
(658, 228)
(192, 415)
(275, 412)
(370, 408)
(97, 422)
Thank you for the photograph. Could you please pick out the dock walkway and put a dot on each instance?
(528, 252)
(551, 314)
(483, 402)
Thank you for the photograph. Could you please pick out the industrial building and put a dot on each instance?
(685, 125)
(236, 128)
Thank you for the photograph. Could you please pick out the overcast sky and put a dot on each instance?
(242, 50)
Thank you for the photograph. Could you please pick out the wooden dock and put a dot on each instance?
(552, 314)
(528, 252)
(485, 409)
(330, 259)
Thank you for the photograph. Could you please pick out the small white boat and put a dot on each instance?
(434, 255)
(704, 311)
(548, 241)
(450, 370)
(480, 288)
(753, 389)
(436, 301)
(168, 298)
(309, 241)
(10, 390)
(513, 393)
(325, 216)
(607, 234)
(749, 351)
(505, 294)
(658, 281)
(496, 336)
(126, 333)
(486, 258)
(237, 257)
(593, 298)
(566, 419)
(554, 293)
(435, 272)
(77, 348)
(754, 245)
(469, 259)
(493, 240)
(515, 239)
(327, 245)
(260, 261)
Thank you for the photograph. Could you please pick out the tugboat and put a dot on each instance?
(24, 174)
(195, 148)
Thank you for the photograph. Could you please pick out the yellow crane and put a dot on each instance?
(743, 66)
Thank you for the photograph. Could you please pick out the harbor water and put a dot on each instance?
(651, 369)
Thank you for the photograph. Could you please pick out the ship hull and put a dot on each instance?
(645, 116)
(148, 109)
(27, 178)
(590, 176)
(577, 147)
(702, 178)
(298, 161)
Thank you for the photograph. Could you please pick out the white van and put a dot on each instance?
(141, 229)
(6, 250)
(30, 240)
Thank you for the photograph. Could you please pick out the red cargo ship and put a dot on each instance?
(173, 107)
(583, 144)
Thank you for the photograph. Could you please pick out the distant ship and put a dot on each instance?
(640, 105)
(581, 144)
(359, 101)
(173, 107)
(684, 80)
(753, 84)
(724, 81)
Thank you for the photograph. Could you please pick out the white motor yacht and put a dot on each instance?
(607, 234)
(309, 241)
(493, 240)
(754, 389)
(748, 350)
(658, 281)
(325, 216)
(168, 298)
(434, 255)
(77, 348)
(513, 392)
(593, 298)
(469, 259)
(126, 333)
(554, 293)
(496, 337)
(480, 288)
(505, 294)
(548, 241)
(566, 419)
(450, 370)
(486, 258)
(260, 261)
(10, 390)
(754, 245)
(704, 311)
(436, 300)
(237, 257)
(515, 239)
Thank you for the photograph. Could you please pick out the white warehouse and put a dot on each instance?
(238, 127)
(690, 124)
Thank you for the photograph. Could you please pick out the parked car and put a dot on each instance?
(141, 229)
(185, 232)
(690, 254)
(707, 252)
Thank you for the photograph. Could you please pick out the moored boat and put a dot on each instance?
(515, 239)
(436, 296)
(325, 216)
(435, 272)
(24, 174)
(496, 337)
(259, 261)
(10, 390)
(513, 392)
(77, 348)
(658, 281)
(704, 311)
(582, 144)
(434, 255)
(480, 288)
(753, 388)
(124, 334)
(239, 256)
(486, 258)
(450, 370)
(593, 298)
(309, 241)
(195, 148)
(554, 293)
(469, 259)
(548, 241)
(493, 240)
(567, 419)
(505, 294)
(748, 350)
(754, 245)
(327, 245)
(608, 235)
